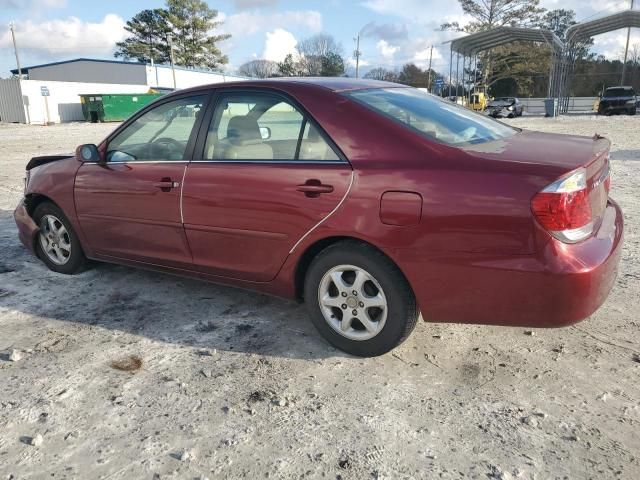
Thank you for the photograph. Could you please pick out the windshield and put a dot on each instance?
(619, 92)
(433, 117)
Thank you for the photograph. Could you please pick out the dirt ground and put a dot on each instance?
(231, 384)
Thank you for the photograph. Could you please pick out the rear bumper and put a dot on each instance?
(27, 229)
(561, 285)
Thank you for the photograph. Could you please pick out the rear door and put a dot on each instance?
(264, 174)
(129, 206)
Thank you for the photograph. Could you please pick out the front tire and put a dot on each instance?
(359, 300)
(57, 244)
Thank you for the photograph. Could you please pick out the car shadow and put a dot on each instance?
(157, 306)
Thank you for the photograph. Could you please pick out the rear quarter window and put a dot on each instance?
(432, 117)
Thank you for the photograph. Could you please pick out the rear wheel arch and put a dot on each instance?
(312, 251)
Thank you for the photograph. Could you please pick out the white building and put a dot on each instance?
(24, 101)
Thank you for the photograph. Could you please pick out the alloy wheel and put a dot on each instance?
(353, 302)
(55, 240)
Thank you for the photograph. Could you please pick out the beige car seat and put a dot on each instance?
(244, 141)
(314, 147)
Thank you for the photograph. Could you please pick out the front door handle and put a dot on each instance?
(166, 184)
(314, 188)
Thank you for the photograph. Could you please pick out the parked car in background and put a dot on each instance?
(509, 107)
(618, 100)
(372, 202)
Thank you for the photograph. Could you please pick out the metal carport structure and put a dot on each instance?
(471, 45)
(582, 32)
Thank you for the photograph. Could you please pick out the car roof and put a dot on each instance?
(334, 84)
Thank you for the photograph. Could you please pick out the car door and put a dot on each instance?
(129, 205)
(265, 175)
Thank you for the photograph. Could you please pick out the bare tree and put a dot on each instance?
(320, 55)
(381, 73)
(259, 69)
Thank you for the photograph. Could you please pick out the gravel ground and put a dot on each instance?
(120, 373)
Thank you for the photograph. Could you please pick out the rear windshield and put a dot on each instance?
(433, 117)
(619, 92)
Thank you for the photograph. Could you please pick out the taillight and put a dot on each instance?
(563, 208)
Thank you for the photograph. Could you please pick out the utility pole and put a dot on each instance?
(430, 62)
(357, 54)
(15, 49)
(173, 63)
(626, 53)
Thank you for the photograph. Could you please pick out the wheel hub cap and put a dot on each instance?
(55, 240)
(352, 302)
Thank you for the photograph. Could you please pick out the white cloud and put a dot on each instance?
(69, 36)
(386, 49)
(242, 4)
(250, 23)
(279, 43)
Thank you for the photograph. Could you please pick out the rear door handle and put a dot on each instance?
(314, 189)
(166, 184)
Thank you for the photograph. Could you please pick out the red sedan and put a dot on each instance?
(371, 201)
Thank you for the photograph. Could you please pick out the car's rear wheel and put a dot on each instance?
(57, 244)
(633, 111)
(359, 300)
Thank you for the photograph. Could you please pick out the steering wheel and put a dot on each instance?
(166, 147)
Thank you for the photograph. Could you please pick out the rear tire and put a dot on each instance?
(359, 300)
(633, 111)
(57, 244)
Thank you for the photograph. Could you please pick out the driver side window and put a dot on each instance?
(160, 134)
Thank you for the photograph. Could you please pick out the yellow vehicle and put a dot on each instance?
(479, 101)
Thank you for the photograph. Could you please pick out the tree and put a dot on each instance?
(320, 55)
(332, 65)
(259, 69)
(317, 56)
(288, 67)
(381, 74)
(148, 40)
(188, 23)
(488, 14)
(191, 21)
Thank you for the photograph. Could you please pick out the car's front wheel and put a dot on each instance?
(359, 300)
(57, 244)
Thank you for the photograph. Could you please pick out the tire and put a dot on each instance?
(633, 111)
(65, 255)
(382, 283)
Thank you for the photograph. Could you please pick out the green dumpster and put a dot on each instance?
(114, 107)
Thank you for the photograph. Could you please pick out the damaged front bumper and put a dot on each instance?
(27, 228)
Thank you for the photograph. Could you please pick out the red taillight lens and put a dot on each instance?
(562, 211)
(564, 208)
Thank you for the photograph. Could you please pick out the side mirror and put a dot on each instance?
(265, 133)
(88, 153)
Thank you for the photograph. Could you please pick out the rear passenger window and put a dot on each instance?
(263, 127)
(314, 147)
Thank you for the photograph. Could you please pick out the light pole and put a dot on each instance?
(430, 62)
(173, 67)
(626, 52)
(357, 54)
(15, 49)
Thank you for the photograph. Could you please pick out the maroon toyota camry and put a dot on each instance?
(372, 202)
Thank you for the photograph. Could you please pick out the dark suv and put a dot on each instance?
(618, 100)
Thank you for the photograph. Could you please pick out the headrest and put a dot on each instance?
(243, 130)
(314, 134)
